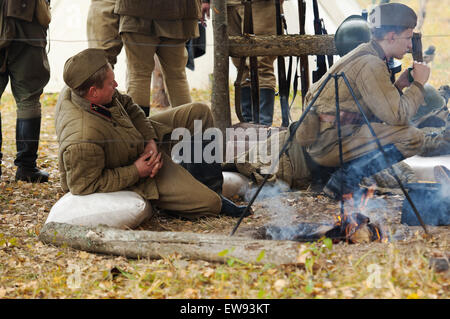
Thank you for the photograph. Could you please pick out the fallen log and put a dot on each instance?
(281, 45)
(155, 245)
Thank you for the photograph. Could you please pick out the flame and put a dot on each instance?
(351, 211)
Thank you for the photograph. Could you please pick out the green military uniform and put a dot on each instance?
(162, 30)
(103, 28)
(23, 61)
(99, 144)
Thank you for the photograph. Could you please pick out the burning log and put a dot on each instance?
(355, 228)
(351, 226)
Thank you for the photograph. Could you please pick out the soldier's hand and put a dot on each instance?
(421, 72)
(145, 164)
(151, 147)
(205, 12)
(403, 80)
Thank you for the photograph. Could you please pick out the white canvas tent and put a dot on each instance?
(68, 36)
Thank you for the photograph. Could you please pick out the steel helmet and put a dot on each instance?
(353, 31)
(432, 97)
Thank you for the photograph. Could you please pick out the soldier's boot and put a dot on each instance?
(27, 142)
(435, 144)
(231, 209)
(246, 103)
(207, 172)
(266, 105)
(210, 174)
(146, 110)
(352, 172)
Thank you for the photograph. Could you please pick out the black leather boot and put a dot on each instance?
(352, 172)
(210, 174)
(266, 104)
(27, 142)
(231, 209)
(246, 103)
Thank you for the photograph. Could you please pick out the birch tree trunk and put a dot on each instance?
(155, 245)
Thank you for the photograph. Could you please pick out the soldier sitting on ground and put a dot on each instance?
(107, 144)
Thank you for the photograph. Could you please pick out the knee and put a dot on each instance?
(201, 111)
(213, 203)
(414, 139)
(28, 110)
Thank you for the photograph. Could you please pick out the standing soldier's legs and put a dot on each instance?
(173, 57)
(235, 28)
(140, 50)
(103, 28)
(30, 72)
(263, 24)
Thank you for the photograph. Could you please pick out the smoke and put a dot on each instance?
(282, 215)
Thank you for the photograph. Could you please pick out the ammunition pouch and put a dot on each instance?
(159, 9)
(20, 9)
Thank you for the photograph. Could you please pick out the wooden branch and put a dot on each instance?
(282, 45)
(149, 244)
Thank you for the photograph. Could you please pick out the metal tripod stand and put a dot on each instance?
(338, 123)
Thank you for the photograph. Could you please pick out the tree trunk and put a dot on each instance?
(220, 99)
(149, 244)
(282, 45)
(159, 96)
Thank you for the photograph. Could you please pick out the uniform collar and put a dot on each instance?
(378, 49)
(97, 109)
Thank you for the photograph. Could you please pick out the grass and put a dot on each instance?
(30, 269)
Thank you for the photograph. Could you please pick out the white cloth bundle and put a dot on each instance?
(123, 209)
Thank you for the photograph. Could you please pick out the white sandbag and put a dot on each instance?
(234, 184)
(124, 209)
(423, 167)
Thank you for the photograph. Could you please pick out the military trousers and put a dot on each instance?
(103, 28)
(357, 141)
(264, 23)
(178, 190)
(291, 168)
(28, 69)
(172, 55)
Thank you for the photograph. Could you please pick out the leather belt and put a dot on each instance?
(346, 118)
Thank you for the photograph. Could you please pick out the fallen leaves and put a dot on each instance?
(30, 269)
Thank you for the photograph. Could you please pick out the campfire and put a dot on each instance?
(351, 226)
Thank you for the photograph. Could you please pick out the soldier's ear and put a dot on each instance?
(390, 36)
(92, 92)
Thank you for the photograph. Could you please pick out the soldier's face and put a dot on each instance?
(402, 43)
(105, 94)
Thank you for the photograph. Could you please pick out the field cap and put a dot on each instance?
(81, 66)
(393, 14)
